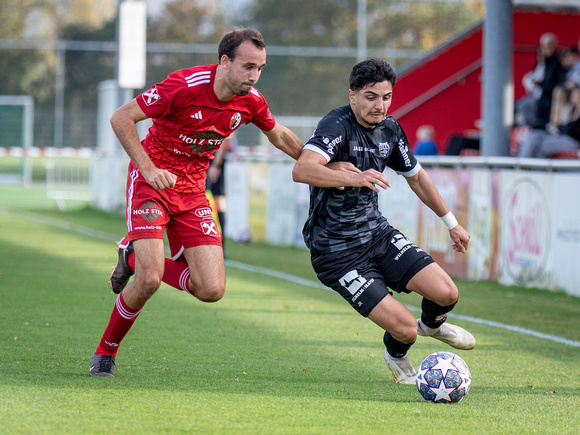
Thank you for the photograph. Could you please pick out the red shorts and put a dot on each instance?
(187, 217)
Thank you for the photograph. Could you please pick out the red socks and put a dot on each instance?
(121, 320)
(176, 273)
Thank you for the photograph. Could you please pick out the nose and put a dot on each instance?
(380, 104)
(254, 74)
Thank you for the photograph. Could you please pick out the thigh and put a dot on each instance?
(555, 144)
(394, 317)
(433, 283)
(207, 270)
(149, 255)
(149, 266)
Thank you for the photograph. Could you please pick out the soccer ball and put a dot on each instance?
(443, 377)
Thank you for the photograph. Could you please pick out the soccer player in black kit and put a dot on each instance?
(354, 250)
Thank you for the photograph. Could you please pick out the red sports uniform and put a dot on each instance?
(189, 124)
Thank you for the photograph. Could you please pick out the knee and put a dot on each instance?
(406, 330)
(408, 334)
(209, 293)
(448, 294)
(148, 281)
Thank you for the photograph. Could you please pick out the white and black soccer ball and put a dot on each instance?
(443, 377)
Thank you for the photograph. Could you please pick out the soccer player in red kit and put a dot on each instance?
(193, 111)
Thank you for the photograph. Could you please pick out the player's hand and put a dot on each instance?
(160, 179)
(372, 179)
(343, 166)
(460, 238)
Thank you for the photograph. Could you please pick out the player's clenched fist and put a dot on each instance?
(160, 179)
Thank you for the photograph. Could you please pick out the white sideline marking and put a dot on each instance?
(281, 275)
(309, 283)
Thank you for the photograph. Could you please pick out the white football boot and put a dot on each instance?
(403, 371)
(455, 336)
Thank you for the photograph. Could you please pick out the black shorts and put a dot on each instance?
(217, 188)
(364, 275)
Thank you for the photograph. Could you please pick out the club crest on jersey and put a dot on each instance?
(384, 149)
(151, 96)
(235, 121)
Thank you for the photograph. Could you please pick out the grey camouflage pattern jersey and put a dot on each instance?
(342, 219)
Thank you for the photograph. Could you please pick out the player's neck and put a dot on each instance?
(220, 88)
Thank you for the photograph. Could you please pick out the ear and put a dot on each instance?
(225, 61)
(351, 95)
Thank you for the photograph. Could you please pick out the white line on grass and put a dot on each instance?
(309, 283)
(274, 273)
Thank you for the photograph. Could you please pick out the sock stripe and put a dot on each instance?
(124, 311)
(184, 280)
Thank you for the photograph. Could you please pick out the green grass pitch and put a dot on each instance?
(272, 357)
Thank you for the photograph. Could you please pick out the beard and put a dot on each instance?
(239, 89)
(241, 92)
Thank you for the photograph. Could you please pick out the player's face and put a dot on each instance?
(243, 71)
(370, 104)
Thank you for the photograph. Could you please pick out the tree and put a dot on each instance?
(317, 84)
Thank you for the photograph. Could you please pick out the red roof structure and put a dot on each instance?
(444, 89)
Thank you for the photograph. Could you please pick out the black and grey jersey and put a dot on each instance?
(343, 219)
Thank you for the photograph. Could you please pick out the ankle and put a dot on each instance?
(426, 329)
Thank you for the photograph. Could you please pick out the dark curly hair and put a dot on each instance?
(232, 40)
(369, 72)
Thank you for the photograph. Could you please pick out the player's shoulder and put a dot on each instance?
(390, 123)
(196, 76)
(341, 116)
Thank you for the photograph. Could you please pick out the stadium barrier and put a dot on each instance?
(522, 214)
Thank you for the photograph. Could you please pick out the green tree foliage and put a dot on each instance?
(32, 71)
(293, 85)
(185, 22)
(318, 84)
(418, 25)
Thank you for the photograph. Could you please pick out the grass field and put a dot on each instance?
(274, 356)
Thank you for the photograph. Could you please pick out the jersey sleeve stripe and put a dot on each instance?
(201, 73)
(199, 82)
(198, 78)
(317, 150)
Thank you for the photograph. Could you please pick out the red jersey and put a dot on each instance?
(190, 123)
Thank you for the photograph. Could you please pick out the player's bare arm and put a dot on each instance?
(425, 189)
(124, 122)
(343, 166)
(311, 169)
(285, 140)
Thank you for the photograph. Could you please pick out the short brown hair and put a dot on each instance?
(232, 40)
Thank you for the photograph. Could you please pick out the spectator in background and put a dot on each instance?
(554, 75)
(525, 107)
(571, 63)
(425, 145)
(544, 144)
(215, 183)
